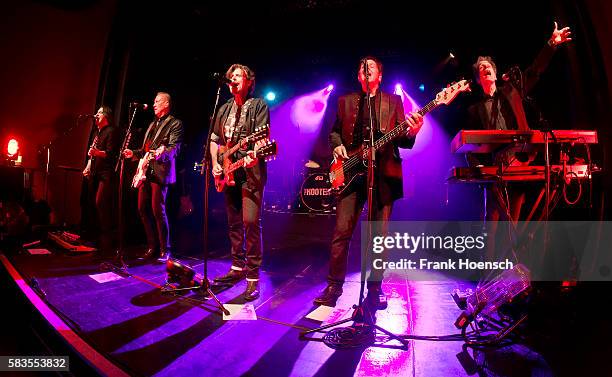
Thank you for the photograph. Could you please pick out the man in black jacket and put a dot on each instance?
(349, 132)
(235, 120)
(501, 108)
(163, 137)
(100, 173)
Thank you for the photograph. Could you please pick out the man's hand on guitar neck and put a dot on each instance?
(93, 152)
(415, 122)
(250, 159)
(128, 153)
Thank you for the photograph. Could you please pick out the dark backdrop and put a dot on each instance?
(138, 48)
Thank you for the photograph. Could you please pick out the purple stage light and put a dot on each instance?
(307, 111)
(398, 89)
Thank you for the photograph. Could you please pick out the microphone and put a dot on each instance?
(511, 72)
(142, 106)
(222, 79)
(87, 115)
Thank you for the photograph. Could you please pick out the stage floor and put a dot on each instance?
(149, 333)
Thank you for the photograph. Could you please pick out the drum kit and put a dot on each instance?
(315, 192)
(309, 193)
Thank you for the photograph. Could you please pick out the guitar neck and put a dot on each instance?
(403, 127)
(233, 149)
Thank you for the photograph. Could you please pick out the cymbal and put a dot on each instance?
(312, 165)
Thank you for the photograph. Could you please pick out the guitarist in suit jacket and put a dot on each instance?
(350, 130)
(164, 136)
(235, 120)
(501, 108)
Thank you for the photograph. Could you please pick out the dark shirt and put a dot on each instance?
(362, 125)
(108, 142)
(149, 142)
(498, 112)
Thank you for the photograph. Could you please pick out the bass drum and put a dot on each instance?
(315, 193)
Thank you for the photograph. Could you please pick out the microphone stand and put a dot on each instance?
(119, 166)
(363, 330)
(206, 167)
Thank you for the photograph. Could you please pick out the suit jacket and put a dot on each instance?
(163, 171)
(257, 115)
(390, 113)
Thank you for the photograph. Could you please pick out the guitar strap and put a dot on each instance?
(159, 130)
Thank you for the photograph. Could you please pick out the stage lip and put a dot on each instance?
(89, 354)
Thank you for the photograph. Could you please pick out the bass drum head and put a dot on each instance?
(315, 193)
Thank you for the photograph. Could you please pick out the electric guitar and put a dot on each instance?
(87, 170)
(225, 152)
(343, 172)
(141, 171)
(266, 151)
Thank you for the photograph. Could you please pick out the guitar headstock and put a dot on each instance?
(267, 150)
(448, 94)
(260, 133)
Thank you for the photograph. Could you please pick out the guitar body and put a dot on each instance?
(266, 150)
(343, 173)
(226, 178)
(141, 171)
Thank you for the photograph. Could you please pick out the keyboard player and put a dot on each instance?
(501, 108)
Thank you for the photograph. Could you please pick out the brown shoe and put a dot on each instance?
(329, 296)
(232, 277)
(252, 290)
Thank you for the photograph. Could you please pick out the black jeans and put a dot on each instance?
(102, 187)
(348, 210)
(152, 198)
(243, 206)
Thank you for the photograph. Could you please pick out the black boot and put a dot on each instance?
(232, 277)
(376, 298)
(252, 290)
(329, 296)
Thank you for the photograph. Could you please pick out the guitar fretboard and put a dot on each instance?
(402, 127)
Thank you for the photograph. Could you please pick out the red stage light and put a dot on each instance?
(12, 147)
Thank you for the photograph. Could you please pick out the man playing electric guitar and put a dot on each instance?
(164, 136)
(100, 177)
(235, 120)
(348, 134)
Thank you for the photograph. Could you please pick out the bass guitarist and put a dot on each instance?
(235, 120)
(350, 130)
(164, 136)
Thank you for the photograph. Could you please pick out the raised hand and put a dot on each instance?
(560, 36)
